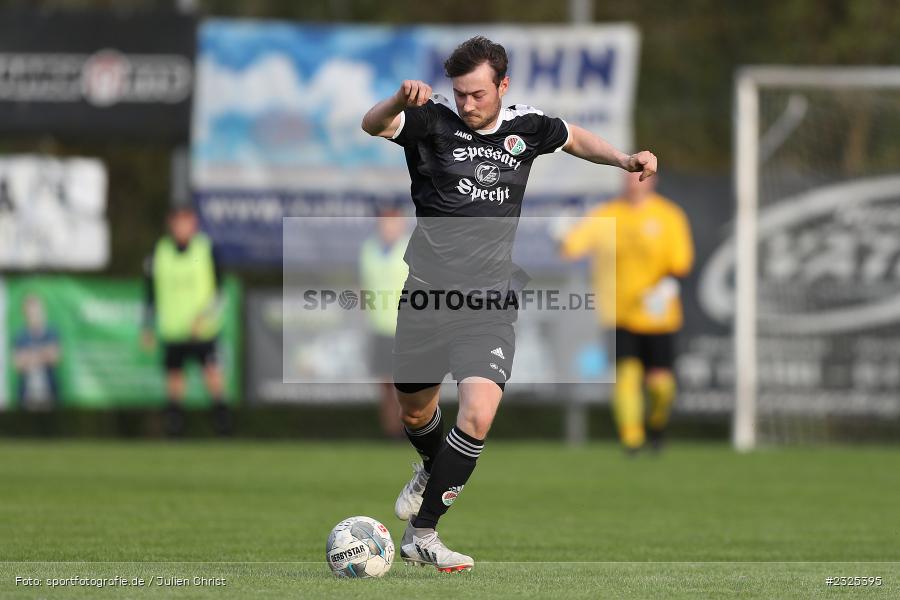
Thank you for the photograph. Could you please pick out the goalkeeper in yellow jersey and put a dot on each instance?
(652, 250)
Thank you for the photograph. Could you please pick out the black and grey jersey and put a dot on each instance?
(460, 172)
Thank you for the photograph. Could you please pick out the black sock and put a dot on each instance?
(452, 468)
(427, 439)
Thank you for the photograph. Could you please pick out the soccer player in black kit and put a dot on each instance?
(470, 163)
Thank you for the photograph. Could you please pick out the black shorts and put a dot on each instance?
(177, 353)
(655, 351)
(381, 347)
(466, 343)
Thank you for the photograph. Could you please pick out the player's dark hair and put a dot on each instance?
(474, 52)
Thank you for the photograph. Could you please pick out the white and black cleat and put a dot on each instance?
(421, 547)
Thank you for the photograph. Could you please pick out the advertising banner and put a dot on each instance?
(302, 356)
(545, 350)
(52, 213)
(828, 294)
(76, 342)
(96, 74)
(320, 344)
(276, 123)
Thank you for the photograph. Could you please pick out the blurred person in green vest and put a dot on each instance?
(383, 271)
(183, 309)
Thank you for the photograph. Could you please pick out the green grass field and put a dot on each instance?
(541, 520)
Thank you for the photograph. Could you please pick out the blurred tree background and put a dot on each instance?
(690, 50)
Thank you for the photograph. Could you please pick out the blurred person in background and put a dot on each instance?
(183, 308)
(383, 271)
(651, 251)
(36, 356)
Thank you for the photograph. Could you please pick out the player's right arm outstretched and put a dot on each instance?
(383, 119)
(584, 144)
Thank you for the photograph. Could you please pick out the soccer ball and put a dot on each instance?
(359, 547)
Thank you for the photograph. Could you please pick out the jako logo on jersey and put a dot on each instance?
(465, 186)
(514, 145)
(463, 135)
(449, 497)
(473, 152)
(487, 174)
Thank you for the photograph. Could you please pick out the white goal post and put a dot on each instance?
(749, 144)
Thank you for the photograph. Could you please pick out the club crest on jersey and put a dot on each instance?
(514, 145)
(449, 497)
(487, 173)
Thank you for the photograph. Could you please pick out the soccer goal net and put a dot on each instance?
(817, 254)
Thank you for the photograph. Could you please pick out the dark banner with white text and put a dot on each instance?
(92, 74)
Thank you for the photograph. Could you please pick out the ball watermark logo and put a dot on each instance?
(348, 299)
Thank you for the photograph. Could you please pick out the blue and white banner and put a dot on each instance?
(278, 105)
(278, 108)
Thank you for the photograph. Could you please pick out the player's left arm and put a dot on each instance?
(584, 144)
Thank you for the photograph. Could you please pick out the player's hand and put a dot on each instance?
(643, 162)
(413, 93)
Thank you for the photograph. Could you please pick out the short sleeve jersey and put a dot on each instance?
(460, 172)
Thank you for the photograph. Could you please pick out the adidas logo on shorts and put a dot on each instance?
(498, 352)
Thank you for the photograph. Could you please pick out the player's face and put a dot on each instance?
(478, 97)
(183, 225)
